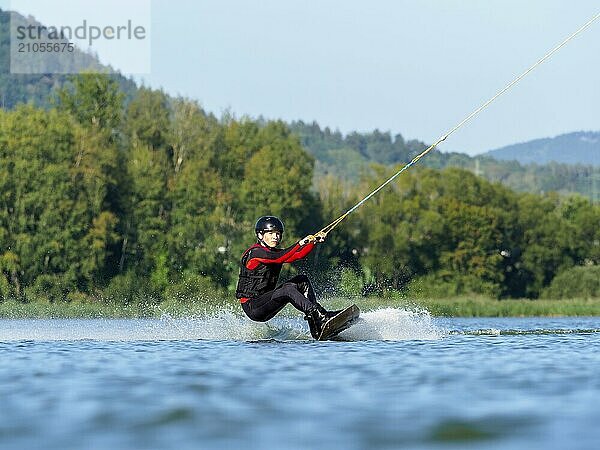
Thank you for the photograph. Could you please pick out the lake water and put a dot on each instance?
(400, 380)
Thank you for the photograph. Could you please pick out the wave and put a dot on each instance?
(386, 324)
(394, 324)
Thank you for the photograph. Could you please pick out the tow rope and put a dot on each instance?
(323, 232)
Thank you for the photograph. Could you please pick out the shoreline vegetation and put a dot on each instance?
(464, 306)
(111, 208)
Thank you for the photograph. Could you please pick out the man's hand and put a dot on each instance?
(320, 236)
(307, 239)
(313, 238)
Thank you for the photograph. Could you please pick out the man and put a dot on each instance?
(261, 265)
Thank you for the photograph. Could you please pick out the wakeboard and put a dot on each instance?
(339, 323)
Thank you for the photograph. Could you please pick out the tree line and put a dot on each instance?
(349, 156)
(156, 199)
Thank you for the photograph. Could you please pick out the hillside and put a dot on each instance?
(573, 148)
(348, 156)
(38, 88)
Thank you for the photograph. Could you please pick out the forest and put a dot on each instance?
(349, 156)
(155, 199)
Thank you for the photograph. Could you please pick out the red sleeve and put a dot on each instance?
(277, 257)
(300, 253)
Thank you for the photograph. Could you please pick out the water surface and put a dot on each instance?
(399, 380)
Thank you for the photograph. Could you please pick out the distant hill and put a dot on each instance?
(38, 88)
(346, 157)
(582, 147)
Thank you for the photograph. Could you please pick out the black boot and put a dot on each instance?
(317, 317)
(331, 314)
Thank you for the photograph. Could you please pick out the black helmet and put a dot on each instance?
(268, 223)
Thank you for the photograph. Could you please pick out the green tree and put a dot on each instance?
(147, 217)
(545, 245)
(277, 180)
(93, 100)
(147, 119)
(57, 196)
(194, 236)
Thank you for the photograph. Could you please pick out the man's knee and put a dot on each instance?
(296, 291)
(289, 288)
(300, 279)
(303, 283)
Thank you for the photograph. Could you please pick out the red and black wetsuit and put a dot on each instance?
(257, 288)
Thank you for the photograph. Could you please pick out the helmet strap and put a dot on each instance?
(259, 238)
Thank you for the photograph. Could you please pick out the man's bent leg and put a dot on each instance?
(304, 286)
(266, 306)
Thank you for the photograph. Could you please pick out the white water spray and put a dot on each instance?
(386, 324)
(389, 324)
(394, 324)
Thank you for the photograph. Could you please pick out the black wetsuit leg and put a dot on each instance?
(305, 286)
(267, 305)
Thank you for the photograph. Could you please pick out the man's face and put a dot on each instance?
(271, 238)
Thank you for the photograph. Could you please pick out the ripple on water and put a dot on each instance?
(169, 387)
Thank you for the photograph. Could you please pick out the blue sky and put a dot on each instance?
(410, 67)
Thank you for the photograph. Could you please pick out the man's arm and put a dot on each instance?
(260, 255)
(300, 253)
(306, 246)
